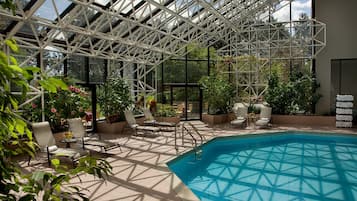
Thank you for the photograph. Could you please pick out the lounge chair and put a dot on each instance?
(44, 137)
(150, 120)
(264, 117)
(132, 123)
(241, 113)
(78, 130)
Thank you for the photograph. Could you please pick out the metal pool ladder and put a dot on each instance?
(193, 133)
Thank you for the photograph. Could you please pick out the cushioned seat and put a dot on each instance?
(264, 117)
(241, 113)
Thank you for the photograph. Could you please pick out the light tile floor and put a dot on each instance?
(139, 167)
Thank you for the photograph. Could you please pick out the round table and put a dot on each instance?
(68, 141)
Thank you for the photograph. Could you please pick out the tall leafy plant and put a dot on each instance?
(114, 98)
(218, 92)
(296, 94)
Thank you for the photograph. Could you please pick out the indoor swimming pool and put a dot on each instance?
(277, 166)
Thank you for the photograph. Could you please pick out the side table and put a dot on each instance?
(68, 141)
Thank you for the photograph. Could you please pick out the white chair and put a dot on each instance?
(129, 117)
(241, 113)
(44, 137)
(78, 131)
(264, 117)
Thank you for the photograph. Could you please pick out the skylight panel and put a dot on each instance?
(102, 2)
(125, 6)
(144, 11)
(49, 11)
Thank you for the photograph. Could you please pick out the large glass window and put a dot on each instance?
(53, 63)
(96, 70)
(174, 71)
(76, 68)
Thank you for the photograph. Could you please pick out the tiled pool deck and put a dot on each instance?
(139, 167)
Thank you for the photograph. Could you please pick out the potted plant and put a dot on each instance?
(166, 113)
(114, 98)
(292, 100)
(218, 93)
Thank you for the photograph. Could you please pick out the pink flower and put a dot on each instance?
(53, 110)
(77, 90)
(71, 88)
(34, 105)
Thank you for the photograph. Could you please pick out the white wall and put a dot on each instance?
(340, 17)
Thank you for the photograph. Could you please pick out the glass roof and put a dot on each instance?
(126, 29)
(51, 11)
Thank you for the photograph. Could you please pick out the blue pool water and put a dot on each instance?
(273, 167)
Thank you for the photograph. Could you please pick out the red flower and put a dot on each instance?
(53, 110)
(34, 105)
(77, 90)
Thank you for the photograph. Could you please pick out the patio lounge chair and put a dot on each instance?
(44, 137)
(264, 117)
(78, 130)
(150, 120)
(241, 113)
(132, 123)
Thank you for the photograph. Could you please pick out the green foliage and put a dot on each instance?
(165, 110)
(218, 92)
(16, 139)
(47, 186)
(296, 94)
(8, 4)
(114, 97)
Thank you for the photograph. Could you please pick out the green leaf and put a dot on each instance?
(13, 60)
(58, 82)
(58, 180)
(12, 44)
(20, 126)
(16, 68)
(55, 162)
(48, 86)
(27, 197)
(32, 69)
(38, 175)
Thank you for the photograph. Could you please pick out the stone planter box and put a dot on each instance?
(303, 120)
(168, 119)
(217, 118)
(117, 127)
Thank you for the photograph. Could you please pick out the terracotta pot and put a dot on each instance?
(304, 120)
(112, 118)
(168, 119)
(213, 119)
(105, 127)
